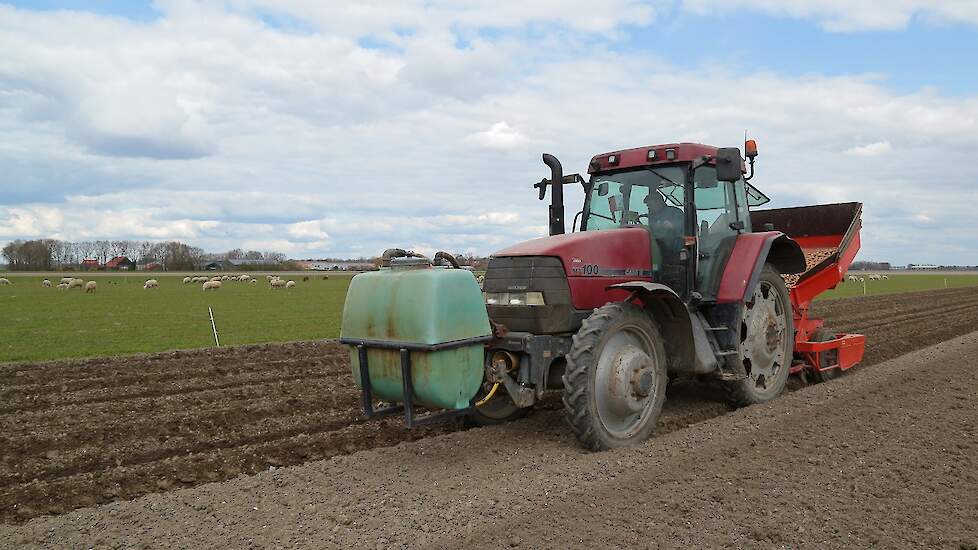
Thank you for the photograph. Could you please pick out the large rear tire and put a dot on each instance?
(767, 339)
(615, 382)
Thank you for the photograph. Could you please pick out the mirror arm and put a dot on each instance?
(747, 178)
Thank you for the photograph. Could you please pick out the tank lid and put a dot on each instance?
(410, 263)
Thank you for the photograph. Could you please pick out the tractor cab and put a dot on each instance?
(693, 216)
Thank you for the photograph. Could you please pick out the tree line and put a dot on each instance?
(54, 254)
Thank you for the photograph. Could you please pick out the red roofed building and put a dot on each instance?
(121, 263)
(89, 263)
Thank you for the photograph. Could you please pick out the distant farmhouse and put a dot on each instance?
(121, 263)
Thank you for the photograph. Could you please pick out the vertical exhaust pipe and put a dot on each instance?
(557, 197)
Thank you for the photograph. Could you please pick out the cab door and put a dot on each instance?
(721, 215)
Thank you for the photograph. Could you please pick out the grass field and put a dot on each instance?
(39, 323)
(902, 282)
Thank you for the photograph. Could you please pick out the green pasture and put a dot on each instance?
(39, 323)
(901, 282)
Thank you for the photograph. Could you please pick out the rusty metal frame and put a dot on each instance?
(407, 407)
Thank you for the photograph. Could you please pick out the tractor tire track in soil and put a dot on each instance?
(84, 432)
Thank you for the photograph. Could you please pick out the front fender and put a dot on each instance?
(672, 317)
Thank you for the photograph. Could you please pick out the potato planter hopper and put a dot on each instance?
(668, 271)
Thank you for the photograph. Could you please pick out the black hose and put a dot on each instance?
(441, 255)
(391, 253)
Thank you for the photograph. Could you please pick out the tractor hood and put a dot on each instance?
(607, 253)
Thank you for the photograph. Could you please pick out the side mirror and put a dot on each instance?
(729, 164)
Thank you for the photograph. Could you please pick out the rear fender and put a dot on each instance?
(672, 317)
(747, 259)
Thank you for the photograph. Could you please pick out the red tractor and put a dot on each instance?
(667, 273)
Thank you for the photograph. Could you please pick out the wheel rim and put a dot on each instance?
(500, 407)
(626, 383)
(764, 337)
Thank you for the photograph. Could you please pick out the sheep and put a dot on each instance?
(76, 283)
(186, 280)
(884, 277)
(66, 280)
(862, 279)
(46, 283)
(244, 278)
(277, 283)
(91, 287)
(852, 278)
(5, 282)
(151, 283)
(268, 277)
(211, 285)
(254, 281)
(874, 277)
(62, 286)
(290, 284)
(215, 278)
(225, 278)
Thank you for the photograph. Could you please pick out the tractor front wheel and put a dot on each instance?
(615, 382)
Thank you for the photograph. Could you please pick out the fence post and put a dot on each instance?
(213, 326)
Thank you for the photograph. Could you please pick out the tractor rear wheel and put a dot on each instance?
(615, 382)
(767, 340)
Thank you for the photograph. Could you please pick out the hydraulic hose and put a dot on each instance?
(448, 258)
(488, 396)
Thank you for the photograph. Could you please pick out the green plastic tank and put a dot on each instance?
(413, 302)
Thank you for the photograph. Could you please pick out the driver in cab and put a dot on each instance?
(666, 222)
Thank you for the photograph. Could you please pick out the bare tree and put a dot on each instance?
(102, 251)
(86, 249)
(144, 250)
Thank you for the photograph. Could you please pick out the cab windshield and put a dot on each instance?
(629, 198)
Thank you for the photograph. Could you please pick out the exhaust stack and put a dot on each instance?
(557, 196)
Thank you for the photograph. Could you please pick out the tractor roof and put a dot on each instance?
(648, 156)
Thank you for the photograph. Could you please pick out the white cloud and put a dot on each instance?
(850, 15)
(870, 150)
(221, 130)
(498, 136)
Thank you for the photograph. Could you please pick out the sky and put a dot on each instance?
(341, 129)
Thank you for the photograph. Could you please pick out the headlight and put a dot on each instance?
(514, 298)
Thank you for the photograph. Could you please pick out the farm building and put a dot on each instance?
(120, 263)
(90, 263)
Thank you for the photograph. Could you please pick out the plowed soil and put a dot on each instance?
(78, 433)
